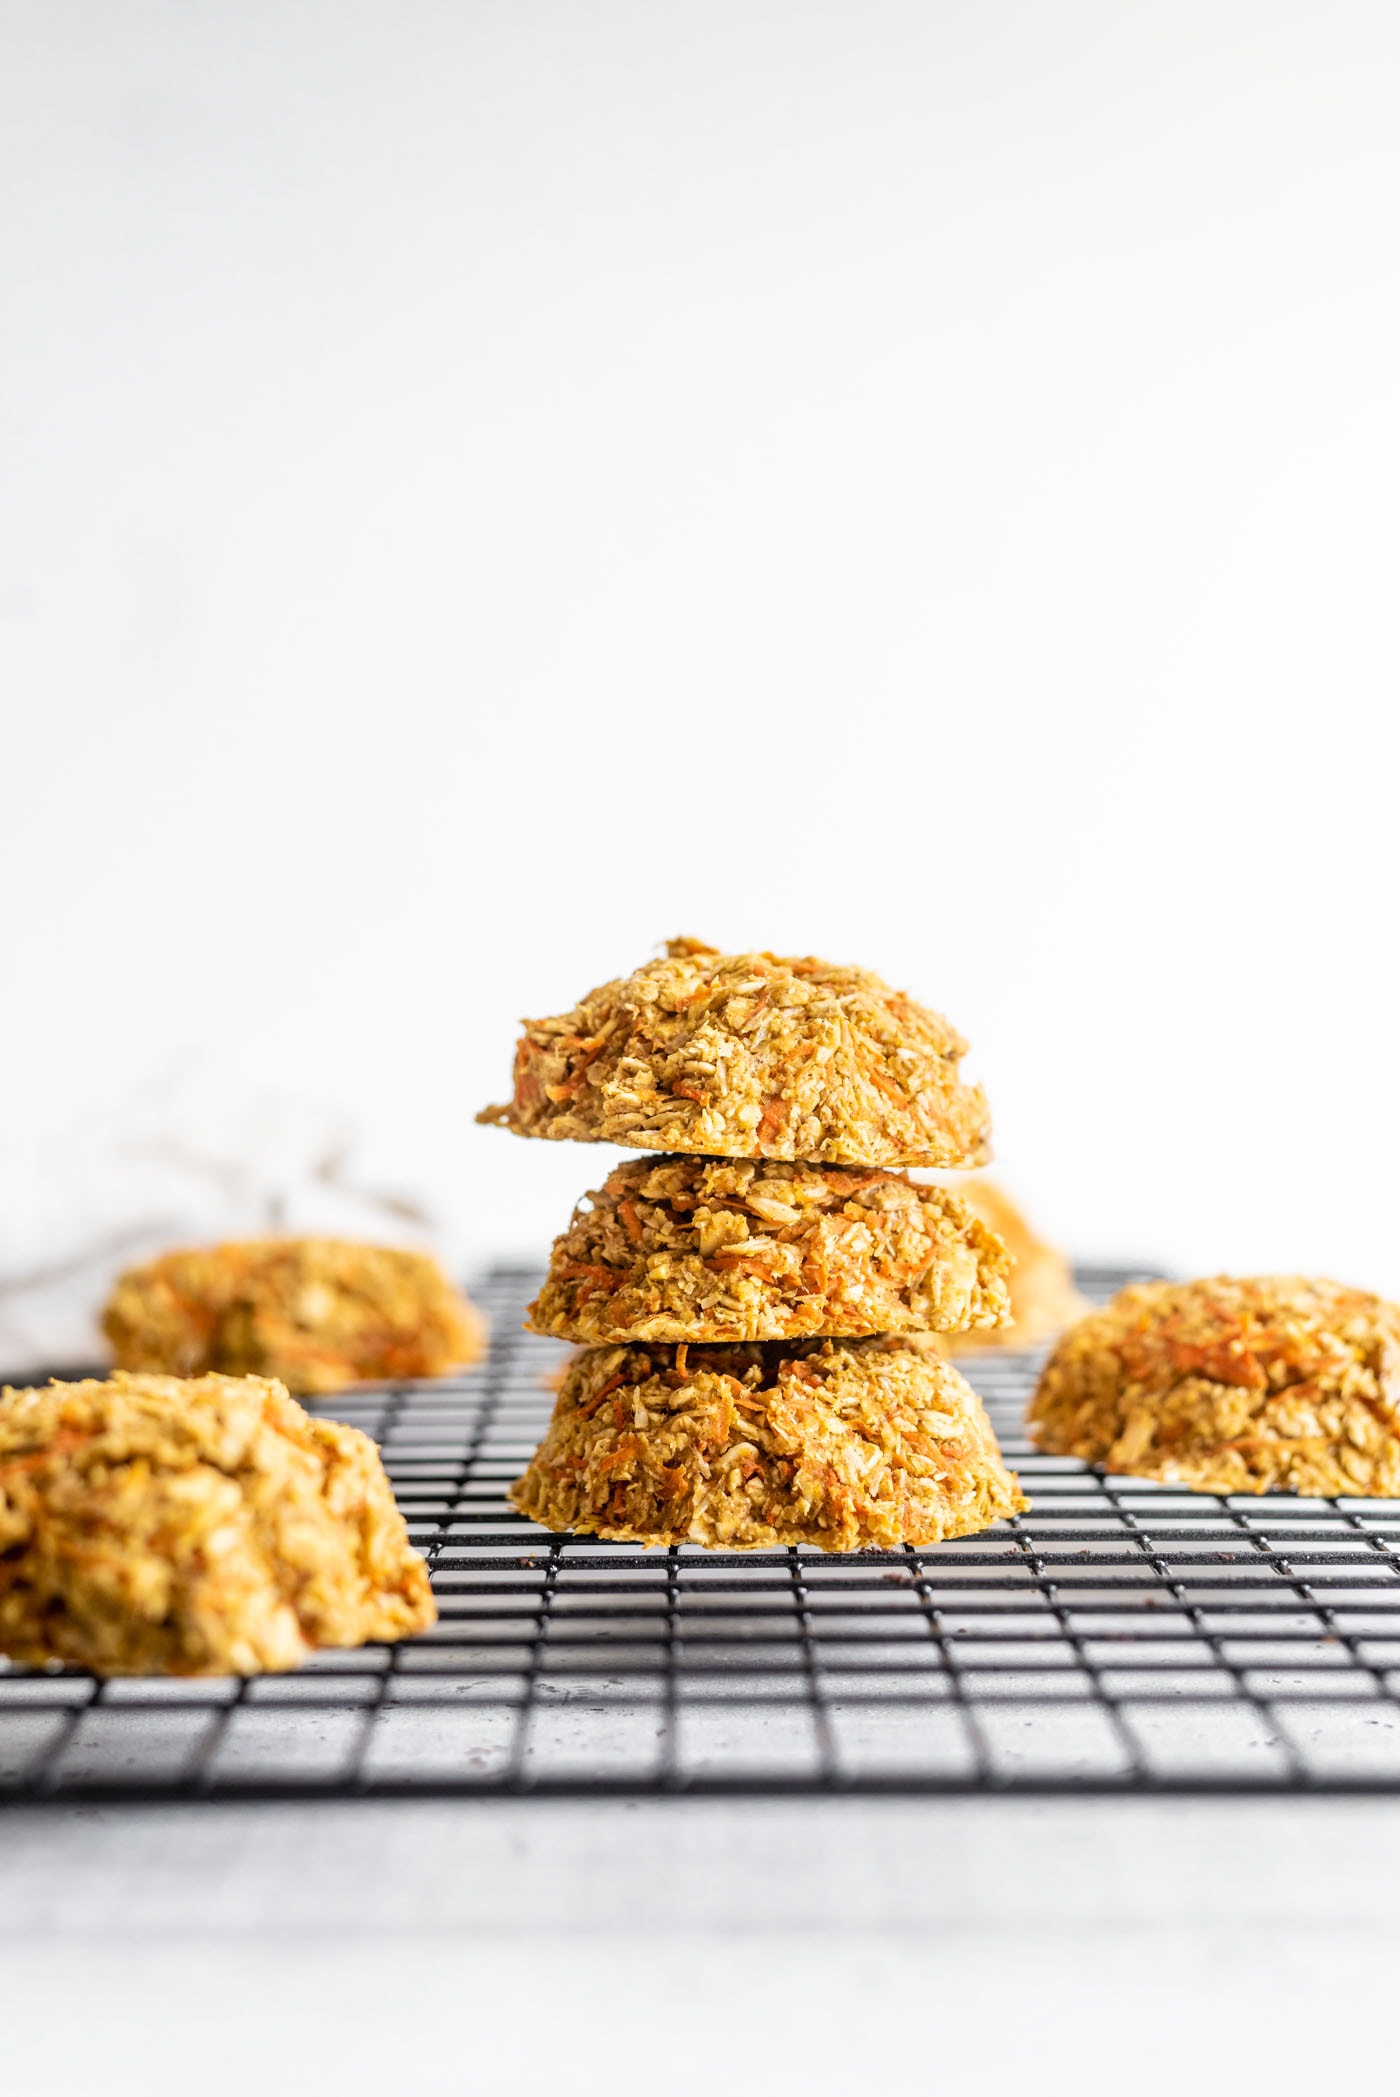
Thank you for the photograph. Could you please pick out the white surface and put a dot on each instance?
(487, 486)
(822, 1948)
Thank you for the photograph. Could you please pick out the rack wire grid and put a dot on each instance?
(1121, 1637)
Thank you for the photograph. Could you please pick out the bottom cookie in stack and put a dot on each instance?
(845, 1445)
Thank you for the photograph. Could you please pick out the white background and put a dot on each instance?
(488, 485)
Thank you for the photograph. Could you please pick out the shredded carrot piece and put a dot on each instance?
(627, 1210)
(527, 1080)
(627, 1451)
(775, 1114)
(604, 1277)
(742, 1263)
(591, 1050)
(590, 1405)
(907, 1272)
(886, 1085)
(852, 1182)
(60, 1445)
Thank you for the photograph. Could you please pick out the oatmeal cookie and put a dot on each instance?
(845, 1445)
(317, 1313)
(750, 1056)
(150, 1526)
(1044, 1299)
(732, 1249)
(1232, 1386)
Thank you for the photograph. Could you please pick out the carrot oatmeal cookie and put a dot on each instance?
(750, 1056)
(1044, 1299)
(150, 1526)
(1232, 1387)
(845, 1445)
(730, 1249)
(318, 1313)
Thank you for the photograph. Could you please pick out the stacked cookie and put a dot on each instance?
(757, 1306)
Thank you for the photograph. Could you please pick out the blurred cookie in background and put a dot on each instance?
(1044, 1299)
(193, 1154)
(315, 1313)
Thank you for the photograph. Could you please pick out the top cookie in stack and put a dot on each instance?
(751, 1056)
(755, 1304)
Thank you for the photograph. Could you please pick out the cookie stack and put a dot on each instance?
(756, 1306)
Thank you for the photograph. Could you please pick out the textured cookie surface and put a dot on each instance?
(1232, 1386)
(843, 1445)
(1044, 1299)
(150, 1526)
(733, 1249)
(316, 1313)
(750, 1056)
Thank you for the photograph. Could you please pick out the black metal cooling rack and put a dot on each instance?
(1121, 1637)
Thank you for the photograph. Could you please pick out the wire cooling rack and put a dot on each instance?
(1122, 1637)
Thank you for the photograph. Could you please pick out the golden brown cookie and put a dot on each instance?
(1232, 1386)
(707, 1249)
(150, 1526)
(750, 1056)
(1044, 1299)
(845, 1445)
(317, 1313)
